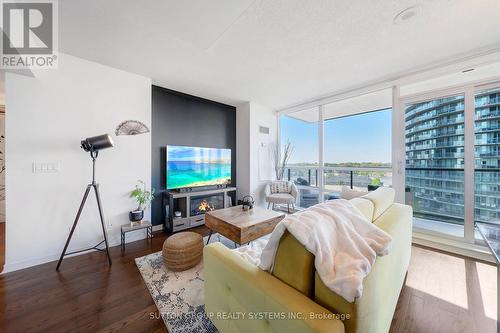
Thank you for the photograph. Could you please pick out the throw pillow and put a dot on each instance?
(348, 193)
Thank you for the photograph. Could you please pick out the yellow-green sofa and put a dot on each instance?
(240, 297)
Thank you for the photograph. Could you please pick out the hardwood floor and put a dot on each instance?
(2, 245)
(447, 293)
(85, 296)
(443, 293)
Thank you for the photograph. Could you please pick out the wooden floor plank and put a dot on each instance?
(85, 296)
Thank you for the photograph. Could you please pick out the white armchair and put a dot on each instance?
(281, 192)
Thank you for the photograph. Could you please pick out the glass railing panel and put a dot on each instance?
(361, 179)
(307, 197)
(436, 196)
(304, 176)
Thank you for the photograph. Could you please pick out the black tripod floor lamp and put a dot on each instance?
(91, 145)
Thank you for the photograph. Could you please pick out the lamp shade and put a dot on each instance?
(97, 143)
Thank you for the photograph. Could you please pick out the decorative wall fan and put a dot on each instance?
(131, 127)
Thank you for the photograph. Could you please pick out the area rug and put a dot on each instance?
(179, 296)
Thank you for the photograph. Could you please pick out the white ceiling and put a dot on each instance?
(274, 52)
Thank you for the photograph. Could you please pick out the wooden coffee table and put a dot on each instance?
(242, 226)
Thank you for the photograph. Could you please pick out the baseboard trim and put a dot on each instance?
(474, 251)
(113, 241)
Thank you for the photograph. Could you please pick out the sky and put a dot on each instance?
(361, 138)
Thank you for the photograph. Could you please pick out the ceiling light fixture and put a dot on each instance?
(406, 14)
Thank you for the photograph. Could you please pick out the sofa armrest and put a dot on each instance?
(240, 297)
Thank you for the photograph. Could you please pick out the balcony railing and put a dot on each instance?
(411, 155)
(485, 100)
(487, 115)
(307, 180)
(480, 128)
(487, 141)
(437, 107)
(446, 144)
(432, 195)
(426, 126)
(433, 135)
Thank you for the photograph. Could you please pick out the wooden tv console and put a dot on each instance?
(182, 202)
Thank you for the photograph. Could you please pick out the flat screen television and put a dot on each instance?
(197, 166)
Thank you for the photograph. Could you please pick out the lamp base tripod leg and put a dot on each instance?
(74, 225)
(99, 205)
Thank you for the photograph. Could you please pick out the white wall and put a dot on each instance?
(47, 117)
(249, 116)
(243, 150)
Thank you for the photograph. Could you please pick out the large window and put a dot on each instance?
(453, 161)
(487, 156)
(356, 152)
(445, 146)
(301, 131)
(434, 139)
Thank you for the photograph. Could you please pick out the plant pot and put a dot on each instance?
(136, 215)
(373, 187)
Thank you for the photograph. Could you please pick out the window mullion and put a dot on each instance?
(398, 146)
(321, 185)
(469, 160)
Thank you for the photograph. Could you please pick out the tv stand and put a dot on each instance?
(191, 206)
(200, 188)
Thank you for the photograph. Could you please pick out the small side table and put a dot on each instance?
(139, 226)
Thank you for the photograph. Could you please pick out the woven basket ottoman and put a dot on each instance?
(182, 251)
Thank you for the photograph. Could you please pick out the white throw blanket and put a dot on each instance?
(344, 242)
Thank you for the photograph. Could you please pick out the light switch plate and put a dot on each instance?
(45, 167)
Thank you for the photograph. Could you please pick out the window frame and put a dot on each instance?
(469, 92)
(439, 94)
(320, 169)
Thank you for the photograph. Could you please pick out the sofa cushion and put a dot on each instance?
(365, 206)
(382, 198)
(294, 265)
(280, 198)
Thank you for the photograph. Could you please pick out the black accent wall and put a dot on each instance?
(185, 120)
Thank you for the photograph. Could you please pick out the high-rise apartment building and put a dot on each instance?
(435, 158)
(487, 157)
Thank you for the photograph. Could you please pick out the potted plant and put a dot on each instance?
(143, 198)
(376, 183)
